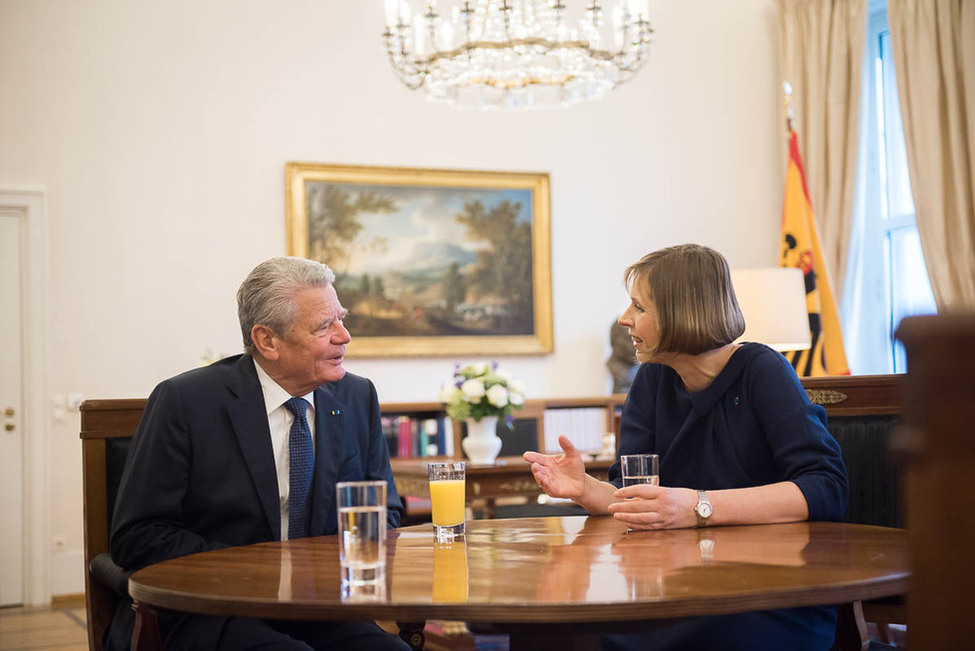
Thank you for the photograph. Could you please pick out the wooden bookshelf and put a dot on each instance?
(840, 395)
(529, 420)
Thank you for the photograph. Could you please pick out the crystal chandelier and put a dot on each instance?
(515, 53)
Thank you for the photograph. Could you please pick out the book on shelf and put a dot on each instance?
(584, 426)
(445, 433)
(410, 436)
(389, 433)
(404, 437)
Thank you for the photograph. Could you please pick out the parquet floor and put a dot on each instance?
(61, 627)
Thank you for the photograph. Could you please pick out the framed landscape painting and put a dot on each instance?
(429, 262)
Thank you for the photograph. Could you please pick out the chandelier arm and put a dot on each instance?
(543, 43)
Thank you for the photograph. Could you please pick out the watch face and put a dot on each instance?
(704, 510)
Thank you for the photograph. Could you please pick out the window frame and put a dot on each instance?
(876, 292)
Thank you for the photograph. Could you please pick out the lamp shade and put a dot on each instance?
(773, 302)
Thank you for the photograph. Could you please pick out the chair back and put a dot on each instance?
(862, 415)
(107, 427)
(875, 479)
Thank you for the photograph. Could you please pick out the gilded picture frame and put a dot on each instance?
(429, 262)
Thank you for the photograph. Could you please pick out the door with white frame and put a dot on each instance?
(24, 544)
(11, 411)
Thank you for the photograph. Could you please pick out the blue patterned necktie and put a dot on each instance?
(301, 470)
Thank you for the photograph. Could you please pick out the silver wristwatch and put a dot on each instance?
(703, 510)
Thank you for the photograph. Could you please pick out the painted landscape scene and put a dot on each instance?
(426, 261)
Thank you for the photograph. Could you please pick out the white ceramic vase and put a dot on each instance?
(481, 445)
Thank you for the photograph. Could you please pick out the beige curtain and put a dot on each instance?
(933, 42)
(822, 57)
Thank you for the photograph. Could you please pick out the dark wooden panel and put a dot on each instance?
(110, 418)
(856, 395)
(939, 445)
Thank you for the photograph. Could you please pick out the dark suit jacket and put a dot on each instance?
(201, 475)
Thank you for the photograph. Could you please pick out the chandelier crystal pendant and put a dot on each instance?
(515, 53)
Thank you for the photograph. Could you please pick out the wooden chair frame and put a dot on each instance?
(101, 420)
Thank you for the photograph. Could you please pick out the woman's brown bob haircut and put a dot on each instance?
(691, 287)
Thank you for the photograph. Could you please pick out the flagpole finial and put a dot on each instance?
(787, 104)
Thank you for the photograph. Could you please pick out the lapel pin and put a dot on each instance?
(336, 412)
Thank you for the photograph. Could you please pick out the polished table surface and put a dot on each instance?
(544, 570)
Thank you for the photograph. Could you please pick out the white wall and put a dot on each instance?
(160, 131)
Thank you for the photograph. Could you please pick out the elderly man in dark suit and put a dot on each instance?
(248, 450)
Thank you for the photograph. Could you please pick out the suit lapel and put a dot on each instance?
(248, 415)
(329, 437)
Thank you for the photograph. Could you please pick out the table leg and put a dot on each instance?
(145, 633)
(411, 633)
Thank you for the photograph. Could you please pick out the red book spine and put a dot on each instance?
(405, 438)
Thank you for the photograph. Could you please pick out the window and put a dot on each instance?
(887, 278)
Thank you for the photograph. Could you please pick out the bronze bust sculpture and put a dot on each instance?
(622, 363)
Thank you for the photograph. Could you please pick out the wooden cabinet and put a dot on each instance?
(539, 422)
(509, 481)
(584, 420)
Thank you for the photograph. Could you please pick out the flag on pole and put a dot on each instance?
(801, 248)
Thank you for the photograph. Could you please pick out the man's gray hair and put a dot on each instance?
(266, 297)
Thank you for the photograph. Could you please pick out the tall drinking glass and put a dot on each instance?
(447, 480)
(362, 530)
(640, 469)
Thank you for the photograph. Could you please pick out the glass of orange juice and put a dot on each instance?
(447, 479)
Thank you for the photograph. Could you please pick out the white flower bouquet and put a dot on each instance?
(480, 389)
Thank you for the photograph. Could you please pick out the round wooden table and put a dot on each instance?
(527, 574)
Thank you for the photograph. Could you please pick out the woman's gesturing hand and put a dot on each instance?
(560, 475)
(645, 506)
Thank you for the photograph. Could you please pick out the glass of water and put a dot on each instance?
(362, 530)
(640, 469)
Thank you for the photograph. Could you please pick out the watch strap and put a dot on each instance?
(704, 509)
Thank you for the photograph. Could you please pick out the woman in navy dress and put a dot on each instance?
(739, 442)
